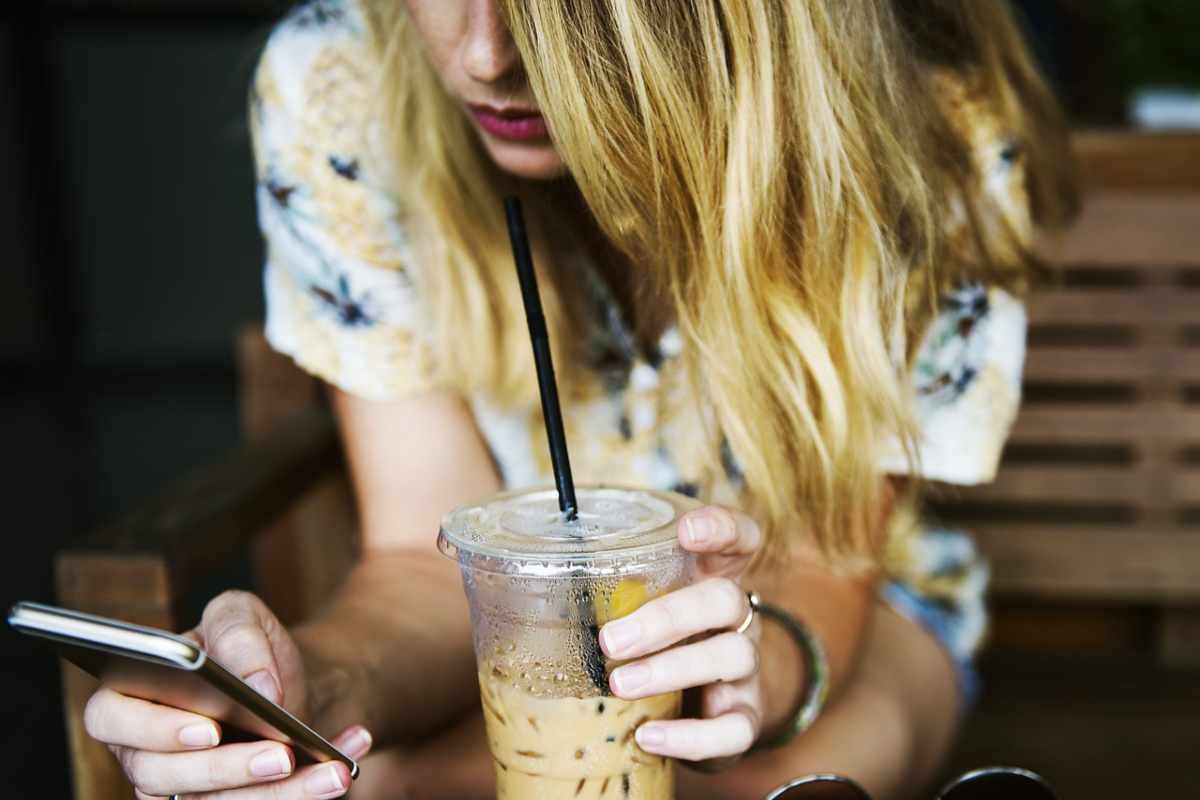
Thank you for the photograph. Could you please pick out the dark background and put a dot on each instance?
(131, 256)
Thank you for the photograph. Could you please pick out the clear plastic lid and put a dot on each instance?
(617, 531)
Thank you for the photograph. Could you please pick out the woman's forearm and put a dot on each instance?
(393, 651)
(889, 729)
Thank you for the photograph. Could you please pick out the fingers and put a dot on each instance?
(231, 766)
(129, 722)
(725, 539)
(709, 605)
(355, 742)
(727, 657)
(242, 771)
(729, 734)
(235, 630)
(316, 782)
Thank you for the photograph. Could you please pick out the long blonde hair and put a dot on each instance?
(776, 168)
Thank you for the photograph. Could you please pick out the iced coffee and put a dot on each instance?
(539, 589)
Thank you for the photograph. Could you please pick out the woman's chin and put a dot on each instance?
(536, 161)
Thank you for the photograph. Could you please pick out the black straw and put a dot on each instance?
(588, 630)
(551, 410)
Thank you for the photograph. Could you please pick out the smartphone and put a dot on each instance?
(173, 670)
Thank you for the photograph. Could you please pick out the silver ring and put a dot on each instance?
(753, 601)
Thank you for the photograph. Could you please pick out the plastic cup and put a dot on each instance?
(539, 589)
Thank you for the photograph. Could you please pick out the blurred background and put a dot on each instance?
(132, 259)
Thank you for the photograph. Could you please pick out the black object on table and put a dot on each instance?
(990, 783)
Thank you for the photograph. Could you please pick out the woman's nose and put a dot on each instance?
(489, 54)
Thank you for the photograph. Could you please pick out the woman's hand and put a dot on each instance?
(165, 751)
(724, 665)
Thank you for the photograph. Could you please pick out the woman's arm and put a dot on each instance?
(394, 649)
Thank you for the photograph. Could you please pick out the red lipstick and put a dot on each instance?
(514, 124)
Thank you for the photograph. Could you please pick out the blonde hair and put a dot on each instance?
(770, 166)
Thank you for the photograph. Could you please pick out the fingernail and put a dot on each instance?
(358, 743)
(271, 763)
(700, 529)
(631, 678)
(325, 781)
(650, 735)
(264, 683)
(202, 734)
(620, 635)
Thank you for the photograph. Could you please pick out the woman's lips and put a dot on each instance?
(515, 125)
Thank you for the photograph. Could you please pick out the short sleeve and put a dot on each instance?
(966, 377)
(339, 294)
(966, 385)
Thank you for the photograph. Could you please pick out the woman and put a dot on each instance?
(779, 242)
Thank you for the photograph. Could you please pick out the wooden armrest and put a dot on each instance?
(198, 524)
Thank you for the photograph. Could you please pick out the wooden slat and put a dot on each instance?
(1123, 159)
(1105, 565)
(95, 774)
(1129, 228)
(1089, 483)
(1066, 628)
(1151, 305)
(1185, 485)
(1084, 424)
(1112, 364)
(133, 587)
(1063, 483)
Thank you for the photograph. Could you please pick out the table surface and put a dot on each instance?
(1096, 729)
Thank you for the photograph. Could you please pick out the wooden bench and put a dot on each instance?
(1098, 500)
(1093, 524)
(1093, 527)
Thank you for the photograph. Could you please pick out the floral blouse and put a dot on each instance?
(340, 302)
